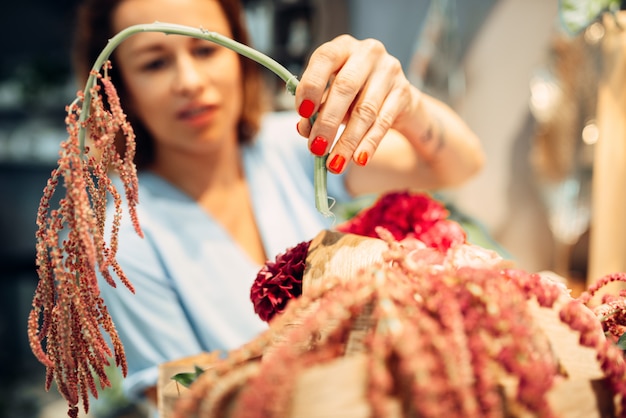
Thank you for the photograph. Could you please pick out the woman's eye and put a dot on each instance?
(154, 64)
(204, 51)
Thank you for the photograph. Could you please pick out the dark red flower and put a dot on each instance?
(279, 281)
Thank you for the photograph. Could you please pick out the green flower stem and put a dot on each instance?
(291, 82)
(319, 183)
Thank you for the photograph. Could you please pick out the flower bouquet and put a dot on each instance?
(414, 322)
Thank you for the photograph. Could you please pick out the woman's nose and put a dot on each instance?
(188, 79)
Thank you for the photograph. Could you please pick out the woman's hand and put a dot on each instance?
(357, 83)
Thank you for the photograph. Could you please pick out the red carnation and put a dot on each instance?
(407, 214)
(279, 281)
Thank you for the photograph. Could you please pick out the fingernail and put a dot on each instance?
(336, 164)
(306, 108)
(362, 158)
(318, 146)
(298, 127)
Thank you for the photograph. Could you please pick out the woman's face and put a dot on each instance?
(187, 92)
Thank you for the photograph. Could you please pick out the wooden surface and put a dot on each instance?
(339, 255)
(607, 240)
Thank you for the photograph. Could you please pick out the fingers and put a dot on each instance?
(325, 62)
(351, 82)
(339, 70)
(371, 116)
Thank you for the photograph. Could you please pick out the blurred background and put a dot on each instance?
(502, 64)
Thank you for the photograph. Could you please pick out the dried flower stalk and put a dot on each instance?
(68, 316)
(73, 244)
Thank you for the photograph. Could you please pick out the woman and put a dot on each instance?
(224, 186)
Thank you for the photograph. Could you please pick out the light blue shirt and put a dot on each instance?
(192, 281)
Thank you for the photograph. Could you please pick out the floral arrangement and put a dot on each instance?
(443, 330)
(447, 318)
(403, 214)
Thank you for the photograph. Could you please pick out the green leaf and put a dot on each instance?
(577, 15)
(621, 343)
(186, 379)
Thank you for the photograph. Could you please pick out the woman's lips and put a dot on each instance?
(197, 115)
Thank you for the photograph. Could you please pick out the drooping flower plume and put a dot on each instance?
(73, 245)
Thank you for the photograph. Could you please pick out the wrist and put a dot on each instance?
(421, 125)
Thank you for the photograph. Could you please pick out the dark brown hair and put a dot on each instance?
(94, 29)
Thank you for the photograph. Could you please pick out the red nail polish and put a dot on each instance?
(298, 127)
(336, 164)
(362, 158)
(318, 146)
(306, 108)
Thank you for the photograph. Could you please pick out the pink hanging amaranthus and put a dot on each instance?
(68, 316)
